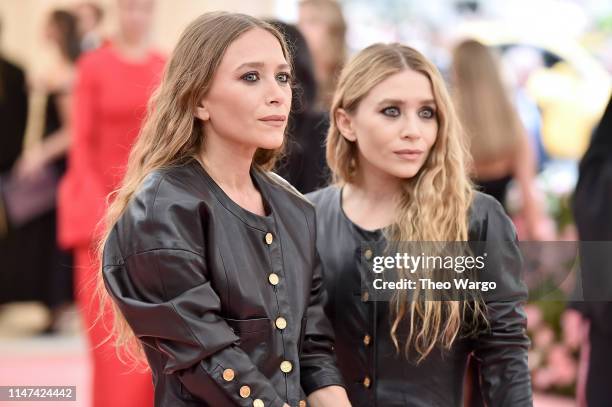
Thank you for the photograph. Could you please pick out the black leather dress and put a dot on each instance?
(374, 373)
(227, 304)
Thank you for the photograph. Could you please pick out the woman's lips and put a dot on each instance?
(274, 120)
(409, 154)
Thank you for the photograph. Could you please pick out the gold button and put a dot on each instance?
(302, 403)
(273, 278)
(269, 238)
(367, 382)
(245, 391)
(286, 366)
(228, 375)
(365, 296)
(281, 323)
(368, 254)
(366, 340)
(258, 403)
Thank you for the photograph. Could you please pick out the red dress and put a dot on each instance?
(109, 104)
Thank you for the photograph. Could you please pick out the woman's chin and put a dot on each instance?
(406, 172)
(271, 141)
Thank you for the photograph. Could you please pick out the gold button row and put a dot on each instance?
(367, 382)
(269, 238)
(245, 391)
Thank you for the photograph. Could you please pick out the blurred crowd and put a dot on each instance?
(53, 189)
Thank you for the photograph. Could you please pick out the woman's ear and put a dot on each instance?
(344, 122)
(202, 113)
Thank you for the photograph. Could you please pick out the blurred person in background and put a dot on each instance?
(499, 145)
(322, 24)
(113, 85)
(593, 215)
(303, 163)
(49, 271)
(89, 17)
(13, 119)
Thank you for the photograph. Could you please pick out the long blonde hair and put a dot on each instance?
(434, 204)
(483, 103)
(171, 134)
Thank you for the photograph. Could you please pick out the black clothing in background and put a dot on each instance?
(593, 215)
(303, 164)
(497, 188)
(363, 343)
(13, 120)
(202, 283)
(44, 271)
(13, 113)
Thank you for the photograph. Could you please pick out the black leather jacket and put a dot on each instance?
(375, 375)
(227, 304)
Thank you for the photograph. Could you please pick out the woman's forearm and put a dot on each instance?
(330, 396)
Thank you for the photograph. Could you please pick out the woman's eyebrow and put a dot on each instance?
(261, 65)
(390, 101)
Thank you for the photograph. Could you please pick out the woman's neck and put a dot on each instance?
(229, 165)
(131, 49)
(370, 200)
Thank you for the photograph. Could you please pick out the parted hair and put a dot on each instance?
(434, 204)
(171, 133)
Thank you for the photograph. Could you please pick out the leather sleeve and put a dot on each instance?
(502, 349)
(167, 298)
(318, 361)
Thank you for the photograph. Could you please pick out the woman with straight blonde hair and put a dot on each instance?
(399, 162)
(498, 142)
(209, 258)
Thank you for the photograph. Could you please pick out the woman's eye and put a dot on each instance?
(391, 111)
(427, 113)
(283, 77)
(250, 77)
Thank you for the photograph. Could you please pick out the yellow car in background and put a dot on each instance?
(572, 89)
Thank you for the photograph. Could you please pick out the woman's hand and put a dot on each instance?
(30, 163)
(332, 396)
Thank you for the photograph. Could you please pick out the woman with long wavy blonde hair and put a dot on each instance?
(399, 162)
(210, 259)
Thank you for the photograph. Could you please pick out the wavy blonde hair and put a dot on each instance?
(171, 134)
(434, 204)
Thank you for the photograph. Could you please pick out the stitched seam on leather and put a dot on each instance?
(163, 248)
(226, 280)
(161, 179)
(159, 276)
